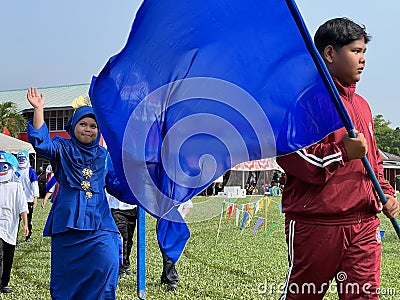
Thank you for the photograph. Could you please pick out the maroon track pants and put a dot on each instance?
(319, 253)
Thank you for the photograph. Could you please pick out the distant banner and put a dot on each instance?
(265, 164)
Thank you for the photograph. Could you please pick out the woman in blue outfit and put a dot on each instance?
(85, 241)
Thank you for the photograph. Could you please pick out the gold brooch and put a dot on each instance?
(85, 185)
(87, 173)
(88, 195)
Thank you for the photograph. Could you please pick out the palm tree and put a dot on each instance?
(10, 119)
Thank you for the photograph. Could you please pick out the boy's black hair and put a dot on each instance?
(339, 32)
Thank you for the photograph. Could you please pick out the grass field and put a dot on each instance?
(240, 265)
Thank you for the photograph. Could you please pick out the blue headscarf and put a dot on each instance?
(80, 113)
(73, 161)
(88, 150)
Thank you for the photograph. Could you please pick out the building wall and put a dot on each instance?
(390, 175)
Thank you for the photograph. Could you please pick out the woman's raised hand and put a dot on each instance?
(34, 98)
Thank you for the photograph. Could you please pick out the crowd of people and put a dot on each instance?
(93, 216)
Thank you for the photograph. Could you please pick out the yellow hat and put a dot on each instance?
(81, 101)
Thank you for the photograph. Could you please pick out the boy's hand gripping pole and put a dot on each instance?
(375, 182)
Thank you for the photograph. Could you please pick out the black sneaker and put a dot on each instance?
(28, 239)
(163, 280)
(172, 286)
(128, 271)
(122, 275)
(6, 290)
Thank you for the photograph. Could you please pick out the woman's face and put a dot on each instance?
(86, 130)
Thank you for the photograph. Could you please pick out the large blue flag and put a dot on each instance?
(201, 86)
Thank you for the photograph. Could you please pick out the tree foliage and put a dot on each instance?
(11, 119)
(387, 138)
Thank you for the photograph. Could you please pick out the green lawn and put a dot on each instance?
(241, 265)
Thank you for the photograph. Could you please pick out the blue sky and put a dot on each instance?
(50, 43)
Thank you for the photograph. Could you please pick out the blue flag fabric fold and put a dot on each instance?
(201, 86)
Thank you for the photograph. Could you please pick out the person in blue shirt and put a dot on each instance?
(52, 187)
(29, 180)
(85, 241)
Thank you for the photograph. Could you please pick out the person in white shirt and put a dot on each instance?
(125, 218)
(12, 205)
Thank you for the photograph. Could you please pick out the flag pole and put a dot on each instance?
(340, 107)
(141, 253)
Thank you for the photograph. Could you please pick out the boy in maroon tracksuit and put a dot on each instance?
(332, 228)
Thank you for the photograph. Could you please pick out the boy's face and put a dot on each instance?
(348, 62)
(86, 130)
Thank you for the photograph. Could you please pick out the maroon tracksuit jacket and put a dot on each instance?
(331, 206)
(322, 186)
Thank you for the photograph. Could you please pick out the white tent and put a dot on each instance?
(13, 145)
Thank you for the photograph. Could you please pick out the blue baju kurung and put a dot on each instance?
(85, 239)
